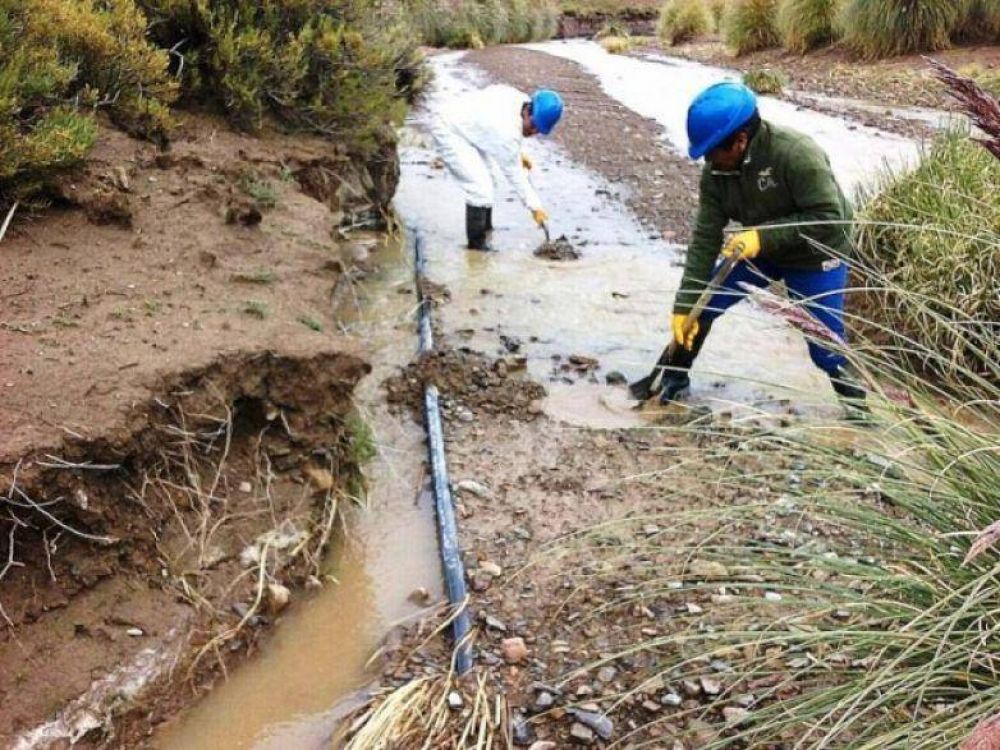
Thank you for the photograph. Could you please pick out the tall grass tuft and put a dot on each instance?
(751, 25)
(935, 232)
(980, 22)
(461, 24)
(717, 8)
(884, 28)
(808, 24)
(683, 20)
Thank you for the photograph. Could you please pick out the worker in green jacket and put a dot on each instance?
(778, 184)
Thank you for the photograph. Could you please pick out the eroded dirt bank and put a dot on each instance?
(177, 428)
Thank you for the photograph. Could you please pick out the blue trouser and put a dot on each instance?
(822, 293)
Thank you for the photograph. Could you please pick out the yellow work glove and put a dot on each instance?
(685, 339)
(744, 244)
(526, 162)
(539, 216)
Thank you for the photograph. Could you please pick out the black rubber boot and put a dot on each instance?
(676, 381)
(852, 394)
(476, 221)
(489, 219)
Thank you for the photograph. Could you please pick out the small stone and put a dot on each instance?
(734, 714)
(720, 666)
(595, 720)
(651, 706)
(492, 623)
(474, 488)
(543, 745)
(536, 407)
(772, 596)
(580, 734)
(746, 700)
(694, 609)
(691, 689)
(799, 663)
(584, 691)
(455, 701)
(277, 597)
(710, 686)
(246, 488)
(514, 650)
(615, 378)
(524, 733)
(606, 674)
(491, 569)
(135, 632)
(707, 569)
(671, 699)
(651, 529)
(544, 702)
(842, 614)
(420, 596)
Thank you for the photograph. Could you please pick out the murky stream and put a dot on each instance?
(612, 304)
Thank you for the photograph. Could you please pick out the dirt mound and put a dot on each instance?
(167, 538)
(470, 384)
(558, 249)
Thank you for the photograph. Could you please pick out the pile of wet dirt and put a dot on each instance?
(558, 249)
(470, 385)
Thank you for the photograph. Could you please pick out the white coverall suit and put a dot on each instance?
(479, 136)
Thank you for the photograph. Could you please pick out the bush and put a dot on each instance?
(328, 68)
(883, 28)
(807, 24)
(617, 45)
(766, 81)
(717, 8)
(751, 25)
(683, 20)
(460, 24)
(980, 22)
(941, 243)
(64, 60)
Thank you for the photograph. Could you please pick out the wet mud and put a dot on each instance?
(558, 249)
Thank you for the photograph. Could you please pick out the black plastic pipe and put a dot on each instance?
(451, 554)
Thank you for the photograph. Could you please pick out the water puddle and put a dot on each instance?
(661, 88)
(287, 696)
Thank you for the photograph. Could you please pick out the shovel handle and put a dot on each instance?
(545, 228)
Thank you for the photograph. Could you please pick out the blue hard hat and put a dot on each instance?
(716, 113)
(546, 109)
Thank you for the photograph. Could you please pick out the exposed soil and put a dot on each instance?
(558, 249)
(612, 140)
(179, 404)
(470, 385)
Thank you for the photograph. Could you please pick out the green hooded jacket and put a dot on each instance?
(786, 178)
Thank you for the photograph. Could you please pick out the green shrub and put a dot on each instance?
(940, 241)
(883, 28)
(329, 68)
(459, 24)
(807, 24)
(62, 61)
(766, 80)
(683, 20)
(617, 45)
(751, 25)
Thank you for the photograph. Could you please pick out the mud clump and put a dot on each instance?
(558, 249)
(470, 384)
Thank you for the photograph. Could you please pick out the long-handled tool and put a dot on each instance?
(545, 228)
(650, 385)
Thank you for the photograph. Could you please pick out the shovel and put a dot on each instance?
(649, 386)
(545, 228)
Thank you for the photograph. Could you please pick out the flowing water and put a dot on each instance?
(613, 304)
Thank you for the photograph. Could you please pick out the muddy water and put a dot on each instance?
(291, 695)
(612, 304)
(661, 88)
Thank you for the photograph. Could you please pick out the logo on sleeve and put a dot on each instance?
(765, 180)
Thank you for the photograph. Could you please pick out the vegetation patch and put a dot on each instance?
(766, 80)
(684, 20)
(462, 24)
(807, 24)
(884, 28)
(751, 25)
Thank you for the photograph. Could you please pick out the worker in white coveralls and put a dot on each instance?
(480, 135)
